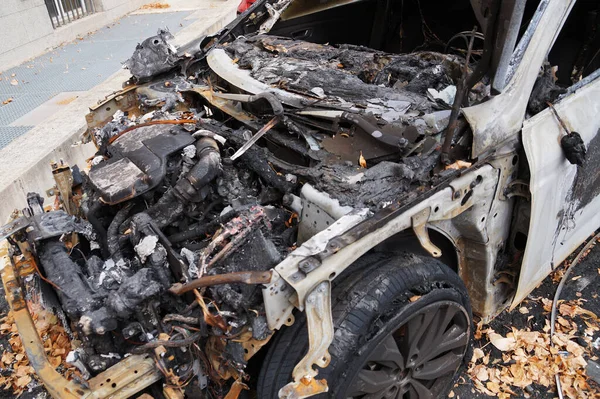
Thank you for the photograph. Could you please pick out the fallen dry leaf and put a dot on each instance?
(547, 304)
(481, 373)
(155, 5)
(502, 343)
(362, 161)
(14, 82)
(56, 344)
(458, 165)
(477, 354)
(23, 381)
(493, 386)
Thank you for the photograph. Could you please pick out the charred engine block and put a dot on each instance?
(165, 210)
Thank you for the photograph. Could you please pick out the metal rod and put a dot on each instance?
(61, 7)
(461, 90)
(248, 277)
(74, 10)
(65, 6)
(562, 123)
(61, 10)
(72, 7)
(168, 343)
(82, 7)
(78, 7)
(52, 13)
(255, 138)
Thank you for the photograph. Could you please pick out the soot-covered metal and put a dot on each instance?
(186, 218)
(198, 187)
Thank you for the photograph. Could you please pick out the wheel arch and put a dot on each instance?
(364, 273)
(407, 241)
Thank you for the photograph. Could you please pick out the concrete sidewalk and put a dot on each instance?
(47, 99)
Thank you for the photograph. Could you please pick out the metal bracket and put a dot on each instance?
(320, 336)
(64, 184)
(419, 222)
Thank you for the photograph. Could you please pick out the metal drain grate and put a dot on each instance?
(9, 133)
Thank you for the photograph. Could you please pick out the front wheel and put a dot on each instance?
(403, 328)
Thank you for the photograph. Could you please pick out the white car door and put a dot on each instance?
(565, 198)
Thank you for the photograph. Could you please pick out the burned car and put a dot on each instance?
(315, 200)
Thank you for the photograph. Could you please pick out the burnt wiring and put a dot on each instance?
(466, 36)
(429, 35)
(168, 343)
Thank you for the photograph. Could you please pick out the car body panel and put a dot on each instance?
(501, 118)
(565, 198)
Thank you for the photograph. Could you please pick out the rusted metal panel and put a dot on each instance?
(126, 378)
(101, 113)
(320, 336)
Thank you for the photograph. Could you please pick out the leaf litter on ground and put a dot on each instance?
(527, 356)
(17, 374)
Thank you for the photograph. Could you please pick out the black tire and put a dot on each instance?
(378, 297)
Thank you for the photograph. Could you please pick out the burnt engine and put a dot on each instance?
(166, 209)
(196, 189)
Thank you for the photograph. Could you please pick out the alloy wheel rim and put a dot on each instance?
(417, 360)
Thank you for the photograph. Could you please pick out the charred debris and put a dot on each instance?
(195, 191)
